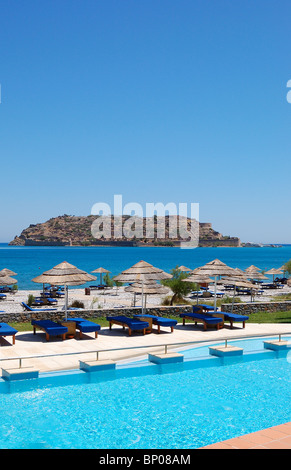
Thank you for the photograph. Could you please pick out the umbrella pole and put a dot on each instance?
(233, 299)
(142, 298)
(66, 302)
(215, 277)
(101, 281)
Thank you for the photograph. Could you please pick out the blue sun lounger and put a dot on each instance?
(159, 321)
(218, 294)
(29, 309)
(205, 307)
(131, 323)
(198, 293)
(3, 296)
(85, 326)
(45, 301)
(198, 317)
(7, 330)
(59, 293)
(50, 328)
(234, 317)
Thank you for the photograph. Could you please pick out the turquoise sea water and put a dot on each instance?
(29, 262)
(181, 409)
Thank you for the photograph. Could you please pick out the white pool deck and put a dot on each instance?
(28, 344)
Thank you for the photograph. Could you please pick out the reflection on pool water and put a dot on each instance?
(148, 406)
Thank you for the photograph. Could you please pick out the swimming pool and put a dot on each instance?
(178, 406)
(248, 345)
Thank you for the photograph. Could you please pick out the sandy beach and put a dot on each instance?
(118, 297)
(108, 298)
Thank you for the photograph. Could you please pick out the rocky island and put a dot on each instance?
(69, 230)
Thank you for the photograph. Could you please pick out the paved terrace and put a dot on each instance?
(28, 344)
(277, 437)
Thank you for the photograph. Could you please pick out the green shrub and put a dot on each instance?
(281, 297)
(30, 300)
(287, 267)
(77, 304)
(177, 301)
(111, 282)
(166, 300)
(178, 287)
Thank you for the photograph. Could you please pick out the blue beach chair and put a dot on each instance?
(218, 294)
(234, 317)
(85, 326)
(159, 321)
(205, 307)
(45, 301)
(59, 293)
(131, 323)
(7, 330)
(50, 328)
(205, 318)
(29, 309)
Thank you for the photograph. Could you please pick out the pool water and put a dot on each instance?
(183, 408)
(248, 345)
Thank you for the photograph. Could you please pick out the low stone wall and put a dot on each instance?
(253, 307)
(173, 311)
(166, 311)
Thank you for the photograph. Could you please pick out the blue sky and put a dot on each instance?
(156, 100)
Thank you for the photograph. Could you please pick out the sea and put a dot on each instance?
(28, 262)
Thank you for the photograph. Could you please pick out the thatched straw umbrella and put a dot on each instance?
(240, 273)
(64, 274)
(147, 287)
(100, 271)
(274, 271)
(142, 271)
(184, 269)
(198, 279)
(252, 268)
(7, 281)
(7, 272)
(255, 275)
(215, 269)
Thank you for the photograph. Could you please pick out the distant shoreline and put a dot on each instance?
(269, 245)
